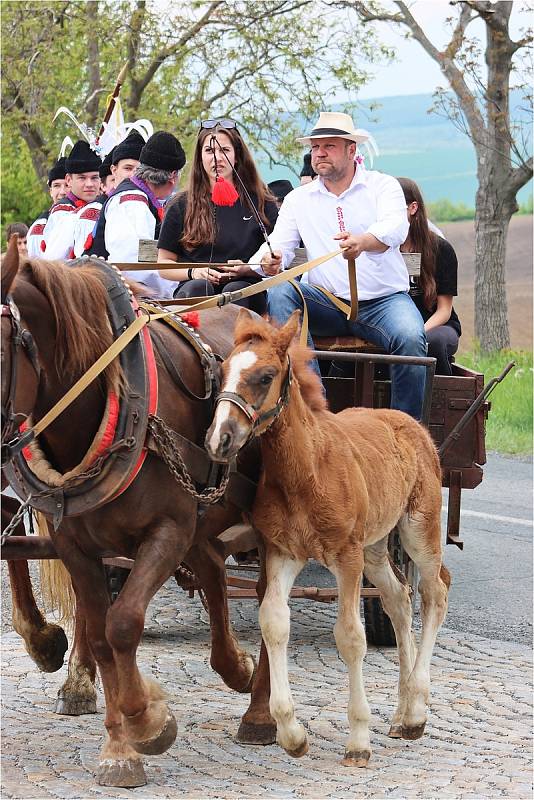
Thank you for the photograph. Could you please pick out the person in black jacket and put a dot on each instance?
(196, 228)
(433, 292)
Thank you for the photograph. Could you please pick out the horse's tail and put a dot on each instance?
(56, 585)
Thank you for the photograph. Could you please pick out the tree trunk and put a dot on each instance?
(491, 307)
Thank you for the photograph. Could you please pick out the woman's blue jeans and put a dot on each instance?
(392, 322)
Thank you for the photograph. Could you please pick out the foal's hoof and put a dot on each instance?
(252, 733)
(125, 773)
(47, 647)
(73, 705)
(161, 742)
(299, 751)
(395, 732)
(413, 731)
(356, 758)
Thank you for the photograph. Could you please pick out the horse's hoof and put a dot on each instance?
(75, 705)
(261, 733)
(413, 731)
(126, 773)
(47, 648)
(356, 758)
(160, 743)
(299, 751)
(395, 732)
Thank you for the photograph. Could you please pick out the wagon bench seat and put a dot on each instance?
(349, 344)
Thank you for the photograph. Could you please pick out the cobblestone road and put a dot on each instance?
(477, 745)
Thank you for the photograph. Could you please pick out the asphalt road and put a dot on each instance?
(491, 591)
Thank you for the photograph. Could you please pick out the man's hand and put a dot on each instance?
(271, 264)
(354, 244)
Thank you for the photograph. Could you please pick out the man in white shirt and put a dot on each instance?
(365, 214)
(135, 210)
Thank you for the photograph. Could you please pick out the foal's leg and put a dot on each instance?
(350, 640)
(420, 535)
(274, 622)
(45, 642)
(147, 721)
(257, 725)
(395, 597)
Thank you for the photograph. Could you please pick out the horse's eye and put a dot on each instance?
(266, 380)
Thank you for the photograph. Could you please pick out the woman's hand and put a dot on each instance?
(208, 274)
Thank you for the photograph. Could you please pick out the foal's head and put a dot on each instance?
(256, 383)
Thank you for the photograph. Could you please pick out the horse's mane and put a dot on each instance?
(309, 382)
(78, 299)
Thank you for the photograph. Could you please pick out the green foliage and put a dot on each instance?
(526, 208)
(27, 197)
(509, 425)
(445, 211)
(254, 60)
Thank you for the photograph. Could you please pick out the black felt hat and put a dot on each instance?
(307, 170)
(280, 188)
(105, 168)
(129, 148)
(163, 151)
(57, 172)
(82, 159)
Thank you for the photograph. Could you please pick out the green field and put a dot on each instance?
(509, 425)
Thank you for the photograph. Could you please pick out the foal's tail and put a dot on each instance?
(56, 585)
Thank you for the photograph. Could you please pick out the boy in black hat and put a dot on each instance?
(135, 210)
(125, 156)
(57, 190)
(107, 179)
(83, 185)
(280, 189)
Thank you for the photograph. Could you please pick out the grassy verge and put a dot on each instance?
(509, 425)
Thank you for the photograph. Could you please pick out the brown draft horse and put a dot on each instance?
(153, 521)
(333, 487)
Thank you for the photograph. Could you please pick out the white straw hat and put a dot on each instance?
(332, 123)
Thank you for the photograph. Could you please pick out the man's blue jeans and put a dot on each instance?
(392, 322)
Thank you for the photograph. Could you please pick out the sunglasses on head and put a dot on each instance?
(214, 123)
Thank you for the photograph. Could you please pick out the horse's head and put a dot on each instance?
(19, 362)
(256, 378)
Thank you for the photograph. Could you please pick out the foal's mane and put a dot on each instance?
(78, 300)
(308, 380)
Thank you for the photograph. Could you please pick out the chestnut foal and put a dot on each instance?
(333, 487)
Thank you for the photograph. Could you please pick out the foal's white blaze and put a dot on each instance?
(237, 364)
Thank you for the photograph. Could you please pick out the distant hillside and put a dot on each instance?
(422, 146)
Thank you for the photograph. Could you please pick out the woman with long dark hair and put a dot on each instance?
(215, 220)
(437, 284)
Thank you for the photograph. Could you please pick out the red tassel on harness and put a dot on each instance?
(191, 318)
(223, 193)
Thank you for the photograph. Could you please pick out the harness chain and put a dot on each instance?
(164, 438)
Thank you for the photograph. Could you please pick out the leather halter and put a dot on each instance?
(21, 337)
(251, 413)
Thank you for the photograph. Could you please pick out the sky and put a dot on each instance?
(415, 72)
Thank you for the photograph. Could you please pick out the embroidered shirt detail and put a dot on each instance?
(125, 198)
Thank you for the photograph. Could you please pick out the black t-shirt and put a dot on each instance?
(238, 233)
(446, 283)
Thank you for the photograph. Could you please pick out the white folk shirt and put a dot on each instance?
(35, 237)
(86, 219)
(58, 234)
(129, 219)
(374, 203)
